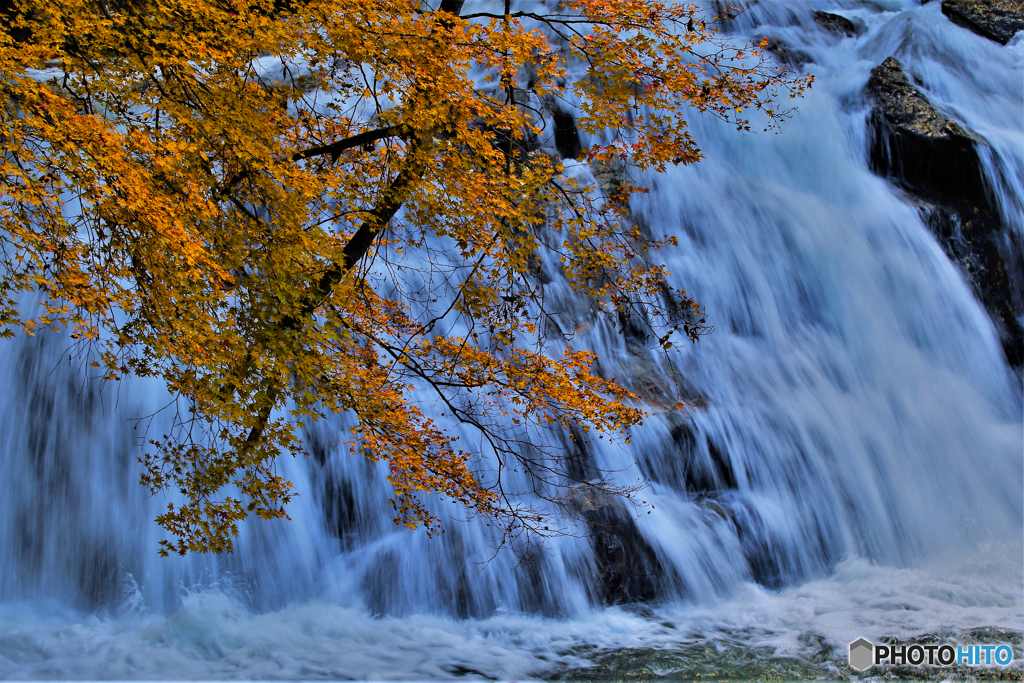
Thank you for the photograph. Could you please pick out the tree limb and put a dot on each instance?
(361, 241)
(334, 149)
(364, 138)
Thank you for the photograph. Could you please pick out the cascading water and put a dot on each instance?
(852, 464)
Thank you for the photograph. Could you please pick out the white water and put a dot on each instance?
(855, 390)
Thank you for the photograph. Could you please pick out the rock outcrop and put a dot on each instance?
(835, 23)
(912, 142)
(786, 54)
(935, 160)
(627, 568)
(567, 136)
(996, 20)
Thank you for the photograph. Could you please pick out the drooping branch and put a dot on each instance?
(356, 248)
(335, 148)
(382, 214)
(361, 241)
(364, 138)
(363, 238)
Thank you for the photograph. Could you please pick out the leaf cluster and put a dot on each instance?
(290, 208)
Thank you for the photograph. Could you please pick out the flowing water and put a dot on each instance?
(852, 465)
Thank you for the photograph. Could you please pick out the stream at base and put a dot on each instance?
(797, 633)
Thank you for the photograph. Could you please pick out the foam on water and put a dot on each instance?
(214, 636)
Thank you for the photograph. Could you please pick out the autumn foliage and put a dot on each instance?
(291, 208)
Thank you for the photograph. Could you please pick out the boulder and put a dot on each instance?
(699, 465)
(610, 175)
(584, 499)
(996, 20)
(935, 160)
(835, 23)
(567, 136)
(627, 569)
(784, 53)
(913, 143)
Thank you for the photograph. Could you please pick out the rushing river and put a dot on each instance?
(853, 464)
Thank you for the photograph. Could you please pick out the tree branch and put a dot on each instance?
(364, 138)
(334, 149)
(361, 241)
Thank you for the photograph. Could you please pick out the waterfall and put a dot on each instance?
(853, 431)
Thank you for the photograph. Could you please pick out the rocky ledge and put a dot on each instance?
(835, 24)
(935, 160)
(912, 142)
(627, 569)
(996, 20)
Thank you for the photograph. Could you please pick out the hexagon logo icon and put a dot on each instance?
(862, 654)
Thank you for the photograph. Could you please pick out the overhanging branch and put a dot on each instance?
(334, 149)
(364, 138)
(363, 238)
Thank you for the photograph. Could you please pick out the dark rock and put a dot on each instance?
(785, 54)
(609, 175)
(724, 475)
(579, 465)
(584, 499)
(535, 592)
(567, 137)
(340, 508)
(929, 154)
(766, 559)
(835, 23)
(516, 149)
(695, 464)
(991, 260)
(459, 670)
(711, 505)
(725, 10)
(996, 20)
(628, 569)
(935, 160)
(635, 329)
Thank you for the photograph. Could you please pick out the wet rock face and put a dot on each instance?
(835, 23)
(996, 20)
(911, 142)
(991, 259)
(567, 137)
(628, 568)
(936, 161)
(784, 53)
(609, 175)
